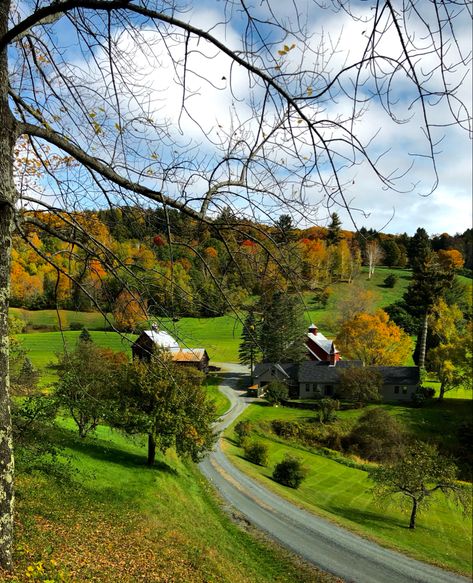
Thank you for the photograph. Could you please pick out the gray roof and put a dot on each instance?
(287, 369)
(399, 375)
(313, 371)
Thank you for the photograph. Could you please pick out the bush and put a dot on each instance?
(276, 392)
(290, 472)
(327, 409)
(75, 326)
(242, 430)
(377, 436)
(390, 280)
(256, 452)
(421, 395)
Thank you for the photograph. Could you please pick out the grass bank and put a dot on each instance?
(112, 519)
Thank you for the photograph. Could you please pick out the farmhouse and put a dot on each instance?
(320, 375)
(317, 379)
(149, 340)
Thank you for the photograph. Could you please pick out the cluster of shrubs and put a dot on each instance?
(288, 472)
(377, 436)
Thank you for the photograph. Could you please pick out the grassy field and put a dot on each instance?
(112, 519)
(61, 319)
(342, 494)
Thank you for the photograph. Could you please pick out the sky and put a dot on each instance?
(220, 104)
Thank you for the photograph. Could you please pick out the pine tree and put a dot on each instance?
(419, 249)
(282, 329)
(85, 336)
(249, 346)
(334, 230)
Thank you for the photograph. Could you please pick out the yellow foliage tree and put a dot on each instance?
(129, 310)
(374, 339)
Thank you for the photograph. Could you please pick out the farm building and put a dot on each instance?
(150, 340)
(317, 379)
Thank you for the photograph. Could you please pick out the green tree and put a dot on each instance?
(327, 409)
(415, 477)
(276, 392)
(85, 336)
(360, 384)
(249, 349)
(429, 282)
(419, 248)
(256, 452)
(168, 403)
(391, 252)
(334, 230)
(284, 227)
(87, 383)
(282, 328)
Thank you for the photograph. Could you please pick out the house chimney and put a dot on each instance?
(333, 355)
(313, 329)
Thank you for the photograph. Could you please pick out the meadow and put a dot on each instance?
(342, 493)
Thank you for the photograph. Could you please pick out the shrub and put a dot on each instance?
(276, 392)
(290, 472)
(256, 452)
(242, 430)
(75, 326)
(390, 280)
(377, 436)
(327, 409)
(286, 429)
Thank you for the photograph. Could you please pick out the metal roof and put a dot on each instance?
(319, 339)
(188, 355)
(162, 339)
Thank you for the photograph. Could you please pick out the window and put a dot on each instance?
(307, 388)
(396, 390)
(404, 390)
(329, 390)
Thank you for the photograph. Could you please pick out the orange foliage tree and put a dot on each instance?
(129, 310)
(374, 339)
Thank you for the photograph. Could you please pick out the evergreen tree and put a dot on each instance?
(428, 284)
(419, 249)
(85, 336)
(284, 226)
(282, 329)
(392, 253)
(334, 230)
(249, 346)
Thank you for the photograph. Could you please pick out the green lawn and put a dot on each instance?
(113, 519)
(221, 402)
(341, 493)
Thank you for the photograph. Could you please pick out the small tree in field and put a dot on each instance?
(276, 392)
(327, 409)
(290, 472)
(166, 402)
(87, 383)
(414, 477)
(243, 430)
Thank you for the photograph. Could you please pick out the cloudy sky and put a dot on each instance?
(221, 108)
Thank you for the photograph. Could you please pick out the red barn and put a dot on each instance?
(321, 348)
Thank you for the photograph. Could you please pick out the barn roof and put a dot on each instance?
(324, 343)
(188, 354)
(162, 339)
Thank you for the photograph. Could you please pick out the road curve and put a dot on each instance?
(326, 545)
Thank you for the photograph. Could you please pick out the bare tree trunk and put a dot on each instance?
(151, 450)
(7, 201)
(423, 340)
(412, 523)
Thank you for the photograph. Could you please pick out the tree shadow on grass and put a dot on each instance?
(368, 518)
(103, 451)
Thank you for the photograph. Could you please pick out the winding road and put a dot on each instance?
(326, 545)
